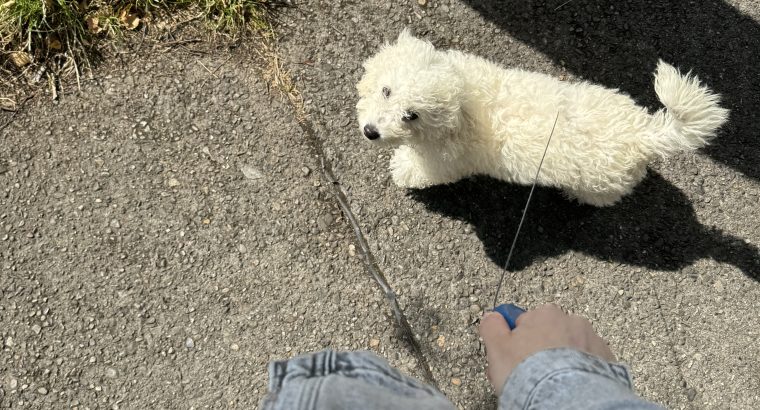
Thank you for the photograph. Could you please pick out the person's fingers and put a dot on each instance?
(581, 323)
(522, 318)
(605, 352)
(545, 327)
(602, 349)
(493, 328)
(549, 309)
(591, 343)
(496, 334)
(543, 311)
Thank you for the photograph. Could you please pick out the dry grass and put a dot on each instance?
(44, 40)
(279, 78)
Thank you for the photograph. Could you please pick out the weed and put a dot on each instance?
(64, 34)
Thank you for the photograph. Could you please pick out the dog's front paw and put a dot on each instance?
(407, 169)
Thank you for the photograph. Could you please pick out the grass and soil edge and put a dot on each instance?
(45, 42)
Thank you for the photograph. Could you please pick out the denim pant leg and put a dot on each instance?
(346, 380)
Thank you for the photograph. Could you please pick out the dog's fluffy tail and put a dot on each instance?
(691, 116)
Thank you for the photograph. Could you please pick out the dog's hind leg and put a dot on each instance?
(605, 191)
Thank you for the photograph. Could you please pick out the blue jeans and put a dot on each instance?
(551, 379)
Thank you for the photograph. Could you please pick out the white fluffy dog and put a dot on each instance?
(452, 115)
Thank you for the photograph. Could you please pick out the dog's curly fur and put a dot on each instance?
(451, 115)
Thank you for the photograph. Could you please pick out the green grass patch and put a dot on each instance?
(67, 32)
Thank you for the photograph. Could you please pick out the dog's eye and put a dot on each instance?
(386, 92)
(409, 116)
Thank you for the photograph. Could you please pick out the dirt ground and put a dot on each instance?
(168, 230)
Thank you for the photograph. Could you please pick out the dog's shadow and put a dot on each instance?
(617, 44)
(654, 227)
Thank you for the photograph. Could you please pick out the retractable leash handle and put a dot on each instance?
(510, 312)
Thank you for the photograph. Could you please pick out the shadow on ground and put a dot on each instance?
(655, 227)
(617, 44)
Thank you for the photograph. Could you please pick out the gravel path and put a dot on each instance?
(169, 230)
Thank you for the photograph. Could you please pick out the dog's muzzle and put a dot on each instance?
(371, 132)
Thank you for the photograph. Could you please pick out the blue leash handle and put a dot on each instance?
(510, 312)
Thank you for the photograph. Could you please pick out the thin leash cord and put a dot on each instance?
(522, 219)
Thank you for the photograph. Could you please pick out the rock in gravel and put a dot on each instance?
(324, 222)
(42, 391)
(110, 372)
(189, 343)
(251, 172)
(36, 329)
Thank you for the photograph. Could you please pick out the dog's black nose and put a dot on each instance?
(371, 132)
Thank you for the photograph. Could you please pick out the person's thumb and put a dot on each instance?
(495, 332)
(493, 328)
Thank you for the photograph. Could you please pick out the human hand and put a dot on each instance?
(543, 328)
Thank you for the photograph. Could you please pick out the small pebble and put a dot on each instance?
(42, 391)
(110, 372)
(456, 381)
(13, 384)
(306, 171)
(441, 341)
(422, 2)
(172, 182)
(374, 343)
(189, 343)
(324, 222)
(235, 347)
(251, 172)
(36, 329)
